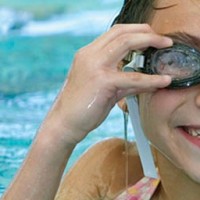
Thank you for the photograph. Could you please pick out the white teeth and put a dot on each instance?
(194, 132)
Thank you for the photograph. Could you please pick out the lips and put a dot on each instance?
(192, 131)
(192, 134)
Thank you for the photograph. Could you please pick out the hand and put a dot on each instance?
(95, 84)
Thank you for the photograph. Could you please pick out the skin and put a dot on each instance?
(162, 112)
(95, 80)
(178, 108)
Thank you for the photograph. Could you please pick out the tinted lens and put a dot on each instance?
(178, 63)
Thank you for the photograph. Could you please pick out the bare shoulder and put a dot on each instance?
(101, 172)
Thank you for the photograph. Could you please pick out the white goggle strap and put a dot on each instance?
(143, 145)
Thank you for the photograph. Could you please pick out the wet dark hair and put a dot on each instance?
(135, 11)
(139, 11)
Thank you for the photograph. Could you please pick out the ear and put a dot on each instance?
(122, 104)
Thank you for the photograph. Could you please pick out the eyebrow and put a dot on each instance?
(164, 7)
(185, 38)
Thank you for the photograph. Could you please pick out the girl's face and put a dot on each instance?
(171, 118)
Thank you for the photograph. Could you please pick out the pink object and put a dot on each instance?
(142, 190)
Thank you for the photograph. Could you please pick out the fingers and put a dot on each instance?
(119, 47)
(105, 53)
(121, 29)
(128, 83)
(113, 46)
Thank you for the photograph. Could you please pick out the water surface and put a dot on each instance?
(36, 51)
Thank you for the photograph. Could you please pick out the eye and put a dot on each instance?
(177, 64)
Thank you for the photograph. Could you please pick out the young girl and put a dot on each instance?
(169, 106)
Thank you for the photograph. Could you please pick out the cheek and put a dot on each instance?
(156, 111)
(154, 108)
(148, 116)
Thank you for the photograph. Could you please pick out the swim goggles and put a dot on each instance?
(180, 61)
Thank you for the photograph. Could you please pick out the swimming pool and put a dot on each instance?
(33, 67)
(20, 119)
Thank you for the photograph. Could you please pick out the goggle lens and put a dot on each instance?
(180, 61)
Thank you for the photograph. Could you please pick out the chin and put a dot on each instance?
(188, 168)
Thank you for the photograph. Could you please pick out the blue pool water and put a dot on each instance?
(34, 62)
(20, 118)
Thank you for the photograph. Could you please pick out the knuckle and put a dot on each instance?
(82, 55)
(136, 77)
(80, 52)
(124, 40)
(119, 28)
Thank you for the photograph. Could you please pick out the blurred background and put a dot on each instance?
(38, 40)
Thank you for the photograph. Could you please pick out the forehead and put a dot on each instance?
(177, 16)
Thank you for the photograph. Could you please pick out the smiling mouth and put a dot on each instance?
(191, 134)
(192, 131)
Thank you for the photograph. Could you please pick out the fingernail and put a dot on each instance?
(167, 78)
